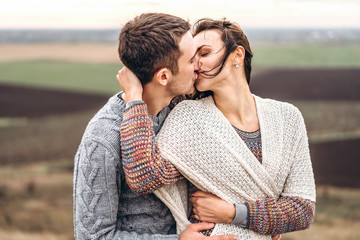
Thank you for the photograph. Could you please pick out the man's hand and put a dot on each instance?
(192, 232)
(210, 208)
(130, 84)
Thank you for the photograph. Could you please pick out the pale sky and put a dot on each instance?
(114, 13)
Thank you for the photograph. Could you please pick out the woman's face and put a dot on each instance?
(210, 52)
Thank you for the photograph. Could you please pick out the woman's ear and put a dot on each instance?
(163, 76)
(238, 56)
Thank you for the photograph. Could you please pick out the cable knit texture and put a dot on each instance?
(104, 205)
(209, 152)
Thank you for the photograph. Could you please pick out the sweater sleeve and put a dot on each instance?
(145, 169)
(96, 195)
(275, 216)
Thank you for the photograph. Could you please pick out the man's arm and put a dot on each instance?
(96, 195)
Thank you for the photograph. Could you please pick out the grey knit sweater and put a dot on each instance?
(104, 206)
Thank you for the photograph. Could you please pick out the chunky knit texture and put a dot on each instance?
(286, 214)
(144, 173)
(104, 205)
(234, 175)
(136, 130)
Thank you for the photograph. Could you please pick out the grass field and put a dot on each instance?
(307, 55)
(86, 77)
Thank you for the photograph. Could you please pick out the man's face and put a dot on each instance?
(183, 82)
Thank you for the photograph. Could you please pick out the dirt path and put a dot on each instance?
(80, 52)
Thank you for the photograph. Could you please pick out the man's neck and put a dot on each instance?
(155, 100)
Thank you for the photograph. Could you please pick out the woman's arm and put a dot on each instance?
(295, 209)
(145, 169)
(275, 216)
(265, 216)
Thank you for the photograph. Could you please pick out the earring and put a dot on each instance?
(237, 65)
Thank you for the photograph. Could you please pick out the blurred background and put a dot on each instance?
(58, 62)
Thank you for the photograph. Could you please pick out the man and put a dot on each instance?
(160, 50)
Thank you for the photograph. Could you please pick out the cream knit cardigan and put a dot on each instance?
(198, 139)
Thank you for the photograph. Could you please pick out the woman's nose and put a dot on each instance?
(197, 64)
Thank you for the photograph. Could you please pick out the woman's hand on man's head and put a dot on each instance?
(130, 84)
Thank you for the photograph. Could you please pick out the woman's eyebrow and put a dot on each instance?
(199, 48)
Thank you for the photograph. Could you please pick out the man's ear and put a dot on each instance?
(238, 55)
(163, 76)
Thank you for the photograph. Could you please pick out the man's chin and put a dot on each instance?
(189, 92)
(192, 90)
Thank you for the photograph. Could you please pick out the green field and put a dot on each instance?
(100, 78)
(88, 77)
(307, 55)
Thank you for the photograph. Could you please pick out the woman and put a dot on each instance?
(249, 151)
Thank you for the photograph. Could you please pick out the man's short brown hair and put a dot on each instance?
(150, 42)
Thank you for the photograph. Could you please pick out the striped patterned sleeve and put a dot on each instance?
(145, 169)
(275, 216)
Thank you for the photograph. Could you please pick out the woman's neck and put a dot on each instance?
(238, 105)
